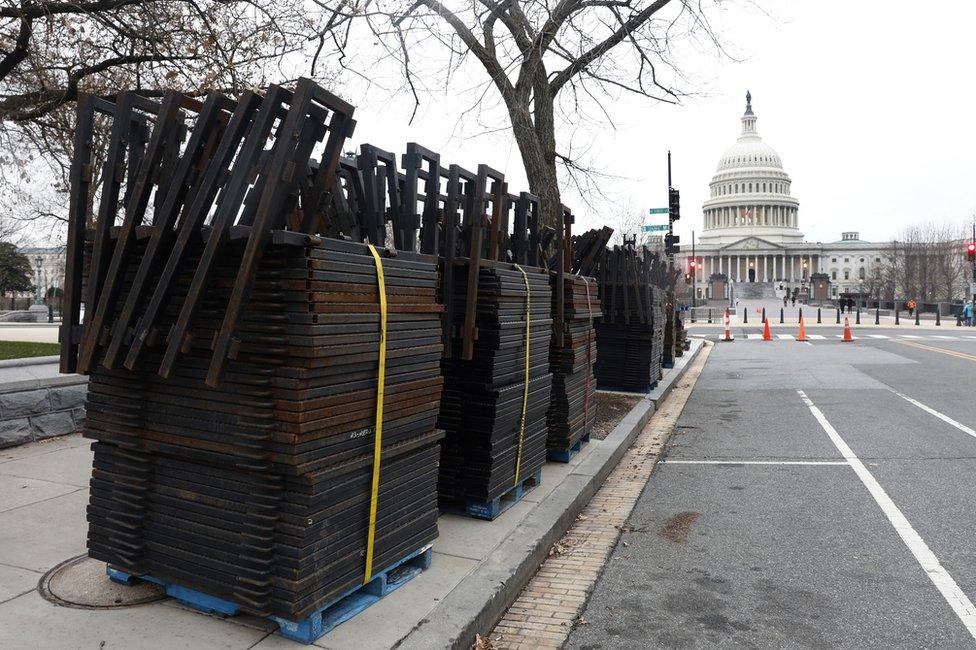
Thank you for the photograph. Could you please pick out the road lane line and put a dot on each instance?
(816, 337)
(945, 418)
(911, 336)
(945, 338)
(956, 597)
(933, 348)
(878, 336)
(755, 462)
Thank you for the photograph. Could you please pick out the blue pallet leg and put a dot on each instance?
(491, 509)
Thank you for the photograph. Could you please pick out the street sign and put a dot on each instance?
(655, 228)
(658, 211)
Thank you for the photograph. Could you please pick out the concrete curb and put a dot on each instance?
(480, 600)
(28, 361)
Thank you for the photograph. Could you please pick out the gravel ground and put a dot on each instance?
(610, 409)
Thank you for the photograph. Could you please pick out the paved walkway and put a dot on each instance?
(546, 610)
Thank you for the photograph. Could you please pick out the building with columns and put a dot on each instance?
(751, 233)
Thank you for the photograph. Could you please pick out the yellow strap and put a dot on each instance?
(378, 438)
(525, 390)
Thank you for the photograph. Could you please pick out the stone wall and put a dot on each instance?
(49, 407)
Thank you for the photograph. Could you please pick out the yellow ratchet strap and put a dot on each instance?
(589, 361)
(525, 390)
(378, 438)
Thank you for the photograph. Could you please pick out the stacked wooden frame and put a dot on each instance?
(234, 334)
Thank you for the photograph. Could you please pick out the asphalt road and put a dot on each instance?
(817, 495)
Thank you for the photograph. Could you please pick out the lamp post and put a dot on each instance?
(38, 291)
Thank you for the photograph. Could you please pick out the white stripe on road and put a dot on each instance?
(785, 337)
(956, 597)
(878, 336)
(945, 418)
(755, 462)
(754, 336)
(945, 338)
(816, 337)
(910, 336)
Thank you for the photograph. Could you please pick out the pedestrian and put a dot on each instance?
(967, 313)
(794, 300)
(910, 306)
(785, 300)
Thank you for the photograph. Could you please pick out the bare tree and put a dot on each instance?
(51, 51)
(926, 263)
(545, 59)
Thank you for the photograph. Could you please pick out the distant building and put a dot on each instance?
(751, 232)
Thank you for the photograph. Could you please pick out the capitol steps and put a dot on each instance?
(755, 291)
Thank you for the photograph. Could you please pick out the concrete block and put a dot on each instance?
(79, 415)
(14, 432)
(24, 403)
(49, 425)
(68, 397)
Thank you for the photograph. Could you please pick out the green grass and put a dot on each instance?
(24, 349)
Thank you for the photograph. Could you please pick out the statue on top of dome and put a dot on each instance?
(748, 103)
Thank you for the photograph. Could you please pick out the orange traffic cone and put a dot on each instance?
(766, 335)
(847, 331)
(802, 336)
(728, 328)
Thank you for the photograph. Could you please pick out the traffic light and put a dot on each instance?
(971, 251)
(671, 244)
(687, 278)
(692, 264)
(674, 204)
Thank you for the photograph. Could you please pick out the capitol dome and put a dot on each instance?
(750, 192)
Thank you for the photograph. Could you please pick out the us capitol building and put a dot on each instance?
(751, 241)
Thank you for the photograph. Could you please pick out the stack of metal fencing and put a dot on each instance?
(498, 327)
(264, 398)
(572, 355)
(572, 411)
(631, 334)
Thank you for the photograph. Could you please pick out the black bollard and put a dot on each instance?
(818, 316)
(745, 315)
(709, 315)
(959, 319)
(877, 315)
(838, 315)
(938, 317)
(857, 316)
(801, 315)
(692, 310)
(780, 315)
(917, 312)
(764, 315)
(897, 319)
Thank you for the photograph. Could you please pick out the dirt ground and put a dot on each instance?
(610, 409)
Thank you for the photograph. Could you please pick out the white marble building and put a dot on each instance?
(752, 234)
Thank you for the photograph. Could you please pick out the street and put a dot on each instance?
(813, 495)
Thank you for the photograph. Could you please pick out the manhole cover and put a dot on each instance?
(81, 582)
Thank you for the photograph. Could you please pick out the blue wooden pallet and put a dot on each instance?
(320, 622)
(563, 455)
(491, 509)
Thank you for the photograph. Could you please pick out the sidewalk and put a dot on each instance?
(478, 568)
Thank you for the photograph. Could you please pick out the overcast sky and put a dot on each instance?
(869, 103)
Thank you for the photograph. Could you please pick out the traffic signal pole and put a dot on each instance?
(694, 274)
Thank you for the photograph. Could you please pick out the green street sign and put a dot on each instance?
(658, 211)
(657, 228)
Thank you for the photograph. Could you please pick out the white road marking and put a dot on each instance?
(878, 336)
(910, 336)
(816, 337)
(754, 336)
(785, 337)
(945, 338)
(956, 597)
(755, 462)
(945, 418)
